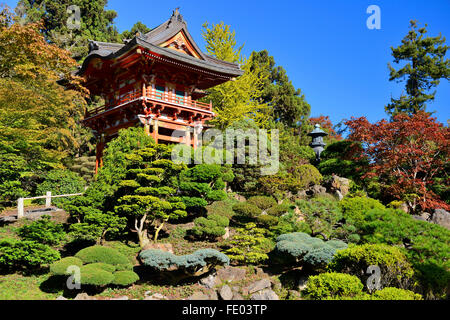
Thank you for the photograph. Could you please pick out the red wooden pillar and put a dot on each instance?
(99, 154)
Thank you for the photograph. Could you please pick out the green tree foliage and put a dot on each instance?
(262, 202)
(148, 193)
(96, 22)
(334, 286)
(425, 66)
(354, 209)
(395, 269)
(249, 245)
(427, 245)
(137, 27)
(297, 179)
(37, 116)
(43, 231)
(295, 249)
(288, 104)
(16, 255)
(211, 227)
(241, 98)
(203, 184)
(61, 182)
(321, 214)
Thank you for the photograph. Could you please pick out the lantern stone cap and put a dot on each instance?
(317, 131)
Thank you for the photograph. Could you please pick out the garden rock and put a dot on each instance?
(259, 285)
(121, 298)
(316, 190)
(441, 217)
(210, 281)
(83, 296)
(266, 294)
(231, 274)
(199, 296)
(237, 296)
(226, 293)
(61, 298)
(302, 283)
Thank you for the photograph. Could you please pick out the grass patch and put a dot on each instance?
(19, 287)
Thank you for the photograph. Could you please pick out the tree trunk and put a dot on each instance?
(157, 231)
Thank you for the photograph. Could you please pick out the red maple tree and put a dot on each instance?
(405, 154)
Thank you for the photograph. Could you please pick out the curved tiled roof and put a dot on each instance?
(151, 41)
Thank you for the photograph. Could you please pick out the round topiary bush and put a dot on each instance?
(333, 285)
(125, 278)
(262, 202)
(95, 276)
(355, 209)
(210, 227)
(278, 210)
(267, 221)
(103, 266)
(60, 267)
(391, 293)
(102, 254)
(394, 266)
(246, 210)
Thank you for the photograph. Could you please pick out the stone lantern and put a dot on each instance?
(317, 140)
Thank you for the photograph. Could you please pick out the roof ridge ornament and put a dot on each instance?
(176, 17)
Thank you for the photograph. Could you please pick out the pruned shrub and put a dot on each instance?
(210, 227)
(354, 209)
(278, 210)
(333, 286)
(246, 210)
(267, 221)
(391, 293)
(60, 267)
(125, 278)
(195, 264)
(262, 202)
(299, 248)
(249, 245)
(43, 231)
(95, 276)
(102, 254)
(394, 266)
(221, 208)
(16, 255)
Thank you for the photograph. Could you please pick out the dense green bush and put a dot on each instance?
(390, 293)
(99, 267)
(61, 182)
(246, 210)
(267, 221)
(43, 231)
(333, 286)
(60, 267)
(197, 263)
(95, 276)
(427, 245)
(395, 268)
(354, 209)
(16, 255)
(211, 227)
(262, 202)
(125, 278)
(279, 209)
(299, 248)
(321, 214)
(222, 208)
(249, 245)
(102, 254)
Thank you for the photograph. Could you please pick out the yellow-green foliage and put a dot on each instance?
(391, 293)
(395, 268)
(333, 286)
(60, 267)
(249, 245)
(355, 209)
(262, 202)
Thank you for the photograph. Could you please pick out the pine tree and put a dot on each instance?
(426, 65)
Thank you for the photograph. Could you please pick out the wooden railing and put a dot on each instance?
(152, 95)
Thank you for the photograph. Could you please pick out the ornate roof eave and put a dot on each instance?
(103, 51)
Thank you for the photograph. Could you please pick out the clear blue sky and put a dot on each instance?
(325, 46)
